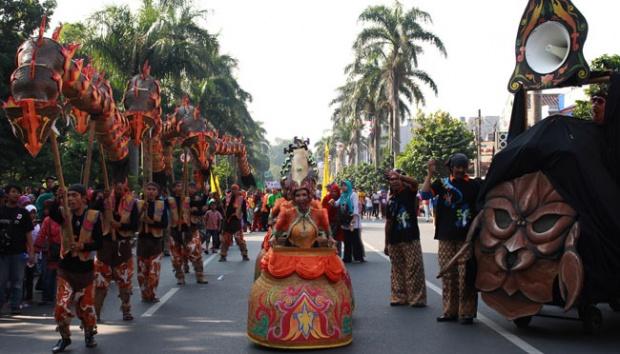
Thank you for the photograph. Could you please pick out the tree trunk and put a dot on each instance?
(358, 145)
(377, 142)
(395, 117)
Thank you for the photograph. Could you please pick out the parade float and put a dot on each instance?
(548, 232)
(302, 298)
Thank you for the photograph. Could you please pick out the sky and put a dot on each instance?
(292, 53)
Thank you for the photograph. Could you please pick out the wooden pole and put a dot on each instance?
(104, 169)
(149, 164)
(107, 211)
(67, 229)
(89, 153)
(185, 171)
(478, 144)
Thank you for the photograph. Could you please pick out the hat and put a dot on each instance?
(30, 208)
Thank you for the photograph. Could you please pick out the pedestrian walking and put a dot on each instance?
(213, 222)
(48, 243)
(16, 248)
(349, 214)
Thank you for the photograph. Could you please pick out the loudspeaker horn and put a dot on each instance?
(547, 47)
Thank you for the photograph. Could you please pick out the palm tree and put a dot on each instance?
(346, 117)
(166, 34)
(395, 36)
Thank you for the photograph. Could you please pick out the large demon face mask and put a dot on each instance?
(527, 240)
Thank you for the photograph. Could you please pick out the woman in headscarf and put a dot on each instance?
(332, 214)
(349, 213)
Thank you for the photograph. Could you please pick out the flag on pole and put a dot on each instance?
(326, 176)
(214, 183)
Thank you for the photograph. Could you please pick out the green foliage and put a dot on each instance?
(606, 62)
(365, 177)
(225, 172)
(277, 157)
(438, 137)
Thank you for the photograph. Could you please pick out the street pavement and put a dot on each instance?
(212, 318)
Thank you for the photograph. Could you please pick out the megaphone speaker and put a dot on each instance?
(547, 48)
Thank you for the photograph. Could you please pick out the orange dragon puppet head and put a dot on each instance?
(142, 101)
(36, 87)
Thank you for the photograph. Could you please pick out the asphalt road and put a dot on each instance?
(212, 317)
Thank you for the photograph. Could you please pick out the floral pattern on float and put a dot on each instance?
(296, 313)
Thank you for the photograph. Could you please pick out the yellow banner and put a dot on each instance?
(214, 183)
(326, 176)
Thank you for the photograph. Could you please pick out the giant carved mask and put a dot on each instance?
(527, 240)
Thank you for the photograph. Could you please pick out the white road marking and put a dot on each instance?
(220, 277)
(26, 317)
(171, 292)
(209, 259)
(161, 302)
(523, 345)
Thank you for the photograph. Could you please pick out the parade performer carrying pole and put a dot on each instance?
(153, 221)
(234, 211)
(75, 281)
(185, 241)
(114, 260)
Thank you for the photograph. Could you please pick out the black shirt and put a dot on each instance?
(15, 223)
(402, 212)
(232, 223)
(148, 244)
(198, 201)
(75, 264)
(455, 207)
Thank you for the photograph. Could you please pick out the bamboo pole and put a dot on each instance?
(185, 171)
(104, 169)
(67, 229)
(89, 153)
(106, 183)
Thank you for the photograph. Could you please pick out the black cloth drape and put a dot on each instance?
(574, 155)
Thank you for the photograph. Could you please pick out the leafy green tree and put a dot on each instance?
(225, 172)
(606, 62)
(277, 157)
(438, 137)
(365, 177)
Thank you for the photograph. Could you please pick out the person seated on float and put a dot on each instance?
(302, 226)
